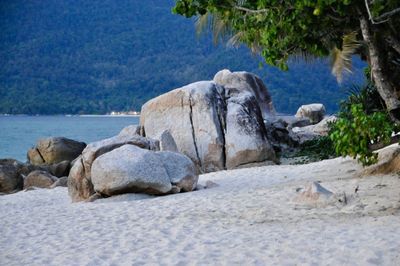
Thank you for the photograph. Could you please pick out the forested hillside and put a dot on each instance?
(95, 56)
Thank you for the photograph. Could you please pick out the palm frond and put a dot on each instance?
(235, 40)
(201, 23)
(220, 28)
(342, 58)
(303, 56)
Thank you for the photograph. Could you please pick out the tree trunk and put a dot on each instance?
(385, 87)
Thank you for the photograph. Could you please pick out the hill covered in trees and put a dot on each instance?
(92, 56)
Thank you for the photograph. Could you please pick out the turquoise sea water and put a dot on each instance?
(19, 133)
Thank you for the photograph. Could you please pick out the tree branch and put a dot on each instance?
(388, 14)
(385, 16)
(254, 11)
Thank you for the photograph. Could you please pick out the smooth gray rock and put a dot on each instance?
(80, 186)
(130, 130)
(38, 178)
(130, 169)
(315, 112)
(167, 142)
(61, 182)
(303, 134)
(55, 150)
(180, 169)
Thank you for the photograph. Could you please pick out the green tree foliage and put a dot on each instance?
(362, 122)
(353, 136)
(95, 56)
(285, 28)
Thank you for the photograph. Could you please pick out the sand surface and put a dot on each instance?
(250, 218)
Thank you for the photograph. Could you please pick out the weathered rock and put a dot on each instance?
(315, 112)
(54, 150)
(167, 142)
(388, 161)
(38, 178)
(303, 134)
(80, 186)
(193, 115)
(280, 135)
(10, 178)
(216, 128)
(246, 136)
(300, 122)
(22, 168)
(61, 182)
(131, 169)
(180, 169)
(34, 157)
(322, 128)
(236, 83)
(59, 169)
(130, 131)
(314, 193)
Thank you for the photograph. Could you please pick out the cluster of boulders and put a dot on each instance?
(218, 124)
(48, 165)
(226, 123)
(129, 163)
(310, 122)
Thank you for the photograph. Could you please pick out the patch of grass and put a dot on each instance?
(314, 150)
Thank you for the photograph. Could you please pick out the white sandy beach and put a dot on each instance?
(249, 219)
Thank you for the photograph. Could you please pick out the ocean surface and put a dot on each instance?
(19, 133)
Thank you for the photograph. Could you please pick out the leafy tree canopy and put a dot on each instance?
(284, 28)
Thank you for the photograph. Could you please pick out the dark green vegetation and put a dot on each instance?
(279, 29)
(363, 121)
(92, 56)
(316, 150)
(363, 125)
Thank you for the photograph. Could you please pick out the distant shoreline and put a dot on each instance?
(68, 115)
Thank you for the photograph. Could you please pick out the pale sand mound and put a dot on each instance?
(248, 219)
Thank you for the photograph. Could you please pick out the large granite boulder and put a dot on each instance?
(315, 112)
(55, 150)
(80, 186)
(237, 83)
(130, 169)
(246, 139)
(216, 127)
(38, 178)
(194, 117)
